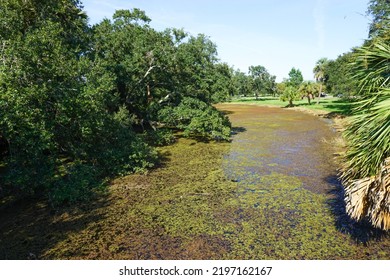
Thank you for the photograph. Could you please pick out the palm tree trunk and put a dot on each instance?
(319, 94)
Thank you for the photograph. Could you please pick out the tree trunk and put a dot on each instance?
(309, 97)
(319, 94)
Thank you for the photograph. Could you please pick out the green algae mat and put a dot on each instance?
(272, 193)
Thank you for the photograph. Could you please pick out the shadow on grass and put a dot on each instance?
(362, 231)
(340, 106)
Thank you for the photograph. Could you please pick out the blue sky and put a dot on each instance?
(278, 34)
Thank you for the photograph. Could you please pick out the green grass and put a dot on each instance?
(328, 104)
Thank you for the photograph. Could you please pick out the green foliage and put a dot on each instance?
(55, 111)
(339, 73)
(40, 85)
(152, 70)
(72, 96)
(290, 94)
(369, 132)
(159, 137)
(380, 25)
(263, 83)
(366, 172)
(132, 53)
(280, 87)
(320, 74)
(319, 70)
(308, 89)
(295, 78)
(289, 89)
(222, 89)
(242, 84)
(77, 182)
(197, 118)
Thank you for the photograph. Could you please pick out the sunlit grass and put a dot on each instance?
(329, 104)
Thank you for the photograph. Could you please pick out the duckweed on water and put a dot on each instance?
(205, 201)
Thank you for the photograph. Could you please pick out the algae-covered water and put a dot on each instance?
(274, 140)
(291, 202)
(272, 193)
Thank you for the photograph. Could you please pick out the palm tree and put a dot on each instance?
(290, 93)
(319, 74)
(366, 174)
(308, 89)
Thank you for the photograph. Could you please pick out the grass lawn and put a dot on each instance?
(328, 104)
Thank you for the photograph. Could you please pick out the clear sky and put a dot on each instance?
(277, 34)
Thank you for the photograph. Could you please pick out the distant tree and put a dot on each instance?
(280, 87)
(263, 82)
(241, 83)
(339, 73)
(289, 89)
(295, 77)
(320, 74)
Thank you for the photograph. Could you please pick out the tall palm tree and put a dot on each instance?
(319, 74)
(366, 174)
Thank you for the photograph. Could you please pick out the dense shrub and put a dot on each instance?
(159, 137)
(197, 118)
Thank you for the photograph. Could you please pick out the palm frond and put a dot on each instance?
(370, 197)
(366, 174)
